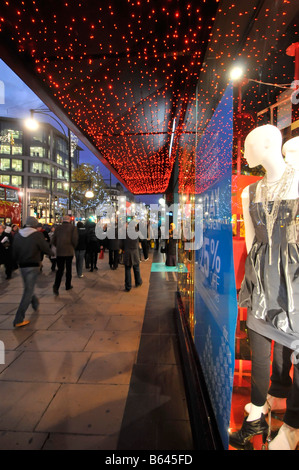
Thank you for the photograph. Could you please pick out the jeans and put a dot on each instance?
(282, 386)
(92, 259)
(144, 244)
(80, 256)
(29, 276)
(61, 262)
(137, 277)
(113, 258)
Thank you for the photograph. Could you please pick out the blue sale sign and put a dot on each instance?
(215, 289)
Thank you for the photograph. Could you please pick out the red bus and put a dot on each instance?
(10, 205)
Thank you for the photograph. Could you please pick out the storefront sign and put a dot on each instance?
(215, 290)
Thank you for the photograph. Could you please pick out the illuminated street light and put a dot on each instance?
(236, 73)
(32, 124)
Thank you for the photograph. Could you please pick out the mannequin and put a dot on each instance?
(290, 150)
(265, 204)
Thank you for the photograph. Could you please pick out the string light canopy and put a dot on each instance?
(255, 38)
(120, 71)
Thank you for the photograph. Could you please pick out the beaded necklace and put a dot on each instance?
(271, 196)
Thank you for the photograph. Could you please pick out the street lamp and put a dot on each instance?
(32, 124)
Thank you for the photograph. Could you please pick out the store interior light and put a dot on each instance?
(236, 73)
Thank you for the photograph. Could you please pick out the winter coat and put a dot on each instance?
(131, 255)
(65, 239)
(5, 247)
(82, 239)
(28, 244)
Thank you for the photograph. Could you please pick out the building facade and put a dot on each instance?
(38, 162)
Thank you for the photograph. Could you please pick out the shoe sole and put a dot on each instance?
(24, 323)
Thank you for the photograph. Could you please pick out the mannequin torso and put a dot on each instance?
(263, 147)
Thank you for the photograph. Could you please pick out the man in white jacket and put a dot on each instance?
(28, 246)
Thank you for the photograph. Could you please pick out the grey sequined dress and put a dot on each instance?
(271, 291)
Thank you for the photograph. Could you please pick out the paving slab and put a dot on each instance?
(61, 367)
(85, 409)
(23, 405)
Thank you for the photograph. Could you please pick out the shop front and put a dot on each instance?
(213, 174)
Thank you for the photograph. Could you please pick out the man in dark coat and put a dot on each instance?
(113, 246)
(6, 250)
(131, 259)
(65, 239)
(28, 245)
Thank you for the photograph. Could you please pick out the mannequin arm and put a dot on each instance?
(249, 228)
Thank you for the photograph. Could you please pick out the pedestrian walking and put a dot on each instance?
(28, 245)
(131, 259)
(41, 229)
(80, 248)
(65, 239)
(92, 247)
(53, 258)
(114, 246)
(171, 247)
(6, 250)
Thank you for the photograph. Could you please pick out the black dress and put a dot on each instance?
(271, 291)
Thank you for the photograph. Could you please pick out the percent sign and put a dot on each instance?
(216, 262)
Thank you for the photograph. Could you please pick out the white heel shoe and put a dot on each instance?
(286, 439)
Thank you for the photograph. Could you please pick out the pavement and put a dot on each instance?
(66, 378)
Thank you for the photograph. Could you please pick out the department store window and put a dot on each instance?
(4, 164)
(4, 179)
(46, 169)
(5, 149)
(37, 152)
(40, 137)
(60, 159)
(17, 150)
(6, 130)
(16, 165)
(37, 167)
(17, 181)
(61, 146)
(60, 174)
(39, 183)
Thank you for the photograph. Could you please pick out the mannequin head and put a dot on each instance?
(290, 151)
(263, 146)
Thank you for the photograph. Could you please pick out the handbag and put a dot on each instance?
(163, 249)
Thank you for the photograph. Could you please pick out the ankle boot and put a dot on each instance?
(286, 439)
(241, 438)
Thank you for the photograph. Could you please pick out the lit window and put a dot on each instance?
(17, 150)
(4, 164)
(4, 179)
(17, 181)
(17, 165)
(37, 152)
(5, 149)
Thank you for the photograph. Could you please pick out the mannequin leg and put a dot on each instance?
(281, 381)
(260, 367)
(288, 436)
(255, 423)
